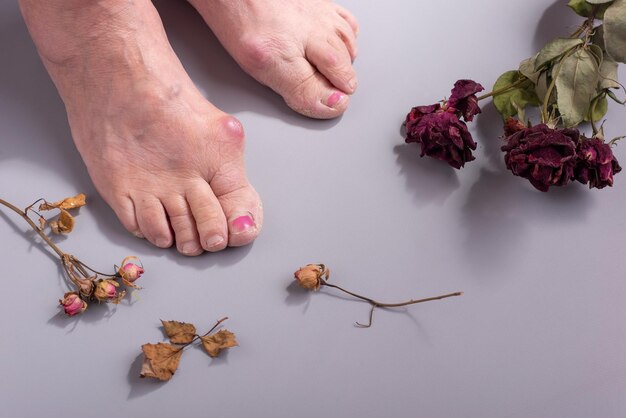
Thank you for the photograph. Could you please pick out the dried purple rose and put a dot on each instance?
(596, 163)
(438, 127)
(463, 99)
(543, 155)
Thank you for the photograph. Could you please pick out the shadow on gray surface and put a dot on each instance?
(501, 208)
(489, 130)
(430, 180)
(557, 21)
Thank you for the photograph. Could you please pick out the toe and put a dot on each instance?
(332, 59)
(183, 224)
(348, 37)
(209, 217)
(349, 17)
(124, 208)
(244, 213)
(314, 96)
(152, 220)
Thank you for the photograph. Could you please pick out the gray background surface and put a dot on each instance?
(541, 330)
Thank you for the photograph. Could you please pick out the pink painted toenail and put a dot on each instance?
(241, 224)
(334, 98)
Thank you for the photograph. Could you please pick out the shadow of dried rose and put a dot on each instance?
(430, 181)
(501, 209)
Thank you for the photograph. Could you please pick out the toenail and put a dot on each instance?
(163, 242)
(334, 98)
(138, 235)
(352, 84)
(241, 224)
(189, 248)
(214, 241)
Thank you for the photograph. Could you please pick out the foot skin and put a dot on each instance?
(168, 162)
(302, 49)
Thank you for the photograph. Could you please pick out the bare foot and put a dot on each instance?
(302, 49)
(168, 162)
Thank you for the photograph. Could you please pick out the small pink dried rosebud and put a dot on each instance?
(131, 272)
(310, 276)
(73, 304)
(106, 290)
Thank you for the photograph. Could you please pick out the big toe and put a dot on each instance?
(239, 201)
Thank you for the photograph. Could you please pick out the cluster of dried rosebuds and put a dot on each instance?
(313, 276)
(570, 80)
(161, 360)
(87, 284)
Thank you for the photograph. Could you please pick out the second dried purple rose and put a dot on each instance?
(596, 163)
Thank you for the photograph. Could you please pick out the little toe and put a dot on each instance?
(209, 217)
(152, 220)
(183, 224)
(349, 17)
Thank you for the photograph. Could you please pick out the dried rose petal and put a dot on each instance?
(543, 155)
(596, 163)
(463, 98)
(73, 304)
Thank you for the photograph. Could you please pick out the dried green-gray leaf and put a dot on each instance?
(511, 101)
(555, 49)
(615, 30)
(576, 85)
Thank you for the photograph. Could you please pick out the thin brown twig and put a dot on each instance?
(375, 304)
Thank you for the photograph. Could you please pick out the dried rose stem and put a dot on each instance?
(62, 255)
(503, 89)
(219, 321)
(24, 215)
(375, 304)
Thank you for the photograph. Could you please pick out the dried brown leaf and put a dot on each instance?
(64, 224)
(179, 332)
(42, 222)
(67, 203)
(214, 344)
(160, 360)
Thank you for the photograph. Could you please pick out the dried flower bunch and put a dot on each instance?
(313, 276)
(86, 283)
(570, 80)
(161, 360)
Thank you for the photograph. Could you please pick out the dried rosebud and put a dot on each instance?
(543, 155)
(443, 136)
(310, 276)
(73, 304)
(596, 163)
(512, 125)
(130, 271)
(106, 290)
(463, 98)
